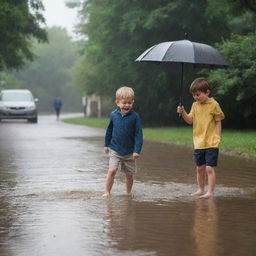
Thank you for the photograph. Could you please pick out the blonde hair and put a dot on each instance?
(125, 93)
(200, 84)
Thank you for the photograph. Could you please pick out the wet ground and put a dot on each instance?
(52, 176)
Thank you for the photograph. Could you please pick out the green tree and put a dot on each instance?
(20, 21)
(117, 32)
(49, 74)
(236, 86)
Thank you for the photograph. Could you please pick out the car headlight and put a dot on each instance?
(31, 108)
(2, 107)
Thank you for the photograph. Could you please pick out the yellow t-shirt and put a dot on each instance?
(204, 117)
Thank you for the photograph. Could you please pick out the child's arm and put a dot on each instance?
(135, 155)
(218, 128)
(106, 150)
(184, 114)
(138, 138)
(108, 136)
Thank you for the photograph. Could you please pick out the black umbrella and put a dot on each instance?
(184, 51)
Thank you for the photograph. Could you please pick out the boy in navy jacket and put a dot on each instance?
(123, 139)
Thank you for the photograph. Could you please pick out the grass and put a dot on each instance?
(242, 142)
(88, 121)
(235, 141)
(177, 135)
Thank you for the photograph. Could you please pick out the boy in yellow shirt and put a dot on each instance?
(205, 116)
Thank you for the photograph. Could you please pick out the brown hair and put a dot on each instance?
(125, 93)
(200, 84)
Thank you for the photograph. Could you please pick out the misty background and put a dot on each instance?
(74, 48)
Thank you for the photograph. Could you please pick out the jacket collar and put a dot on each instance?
(119, 111)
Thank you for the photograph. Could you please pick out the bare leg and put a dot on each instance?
(211, 182)
(110, 180)
(200, 176)
(58, 114)
(129, 183)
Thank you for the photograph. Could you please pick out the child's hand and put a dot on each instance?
(135, 155)
(106, 150)
(180, 109)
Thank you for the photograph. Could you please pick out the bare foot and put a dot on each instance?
(106, 194)
(206, 196)
(198, 193)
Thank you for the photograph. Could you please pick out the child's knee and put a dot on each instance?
(201, 168)
(210, 170)
(129, 176)
(112, 171)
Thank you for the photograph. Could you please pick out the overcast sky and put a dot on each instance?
(57, 14)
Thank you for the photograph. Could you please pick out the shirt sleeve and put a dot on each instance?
(138, 136)
(108, 135)
(190, 114)
(218, 113)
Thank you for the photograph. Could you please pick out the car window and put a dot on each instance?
(15, 96)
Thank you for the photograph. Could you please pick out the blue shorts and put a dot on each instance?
(207, 156)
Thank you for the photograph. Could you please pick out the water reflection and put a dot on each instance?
(205, 229)
(146, 228)
(120, 221)
(52, 176)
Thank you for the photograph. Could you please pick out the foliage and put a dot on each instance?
(117, 32)
(20, 21)
(7, 79)
(49, 74)
(236, 87)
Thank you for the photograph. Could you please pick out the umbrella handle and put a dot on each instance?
(180, 116)
(180, 105)
(181, 86)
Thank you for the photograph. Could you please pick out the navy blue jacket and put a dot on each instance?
(124, 133)
(57, 103)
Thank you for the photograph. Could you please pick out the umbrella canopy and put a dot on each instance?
(184, 52)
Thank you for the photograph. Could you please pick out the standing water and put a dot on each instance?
(52, 176)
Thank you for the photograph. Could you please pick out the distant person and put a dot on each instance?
(123, 139)
(205, 116)
(57, 103)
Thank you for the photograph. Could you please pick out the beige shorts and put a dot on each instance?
(124, 163)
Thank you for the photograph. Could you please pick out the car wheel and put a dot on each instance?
(33, 120)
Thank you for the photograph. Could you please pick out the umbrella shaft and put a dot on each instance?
(181, 84)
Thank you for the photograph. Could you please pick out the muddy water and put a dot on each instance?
(51, 180)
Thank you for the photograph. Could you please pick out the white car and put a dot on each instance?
(18, 104)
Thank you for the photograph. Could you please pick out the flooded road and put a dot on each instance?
(52, 176)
